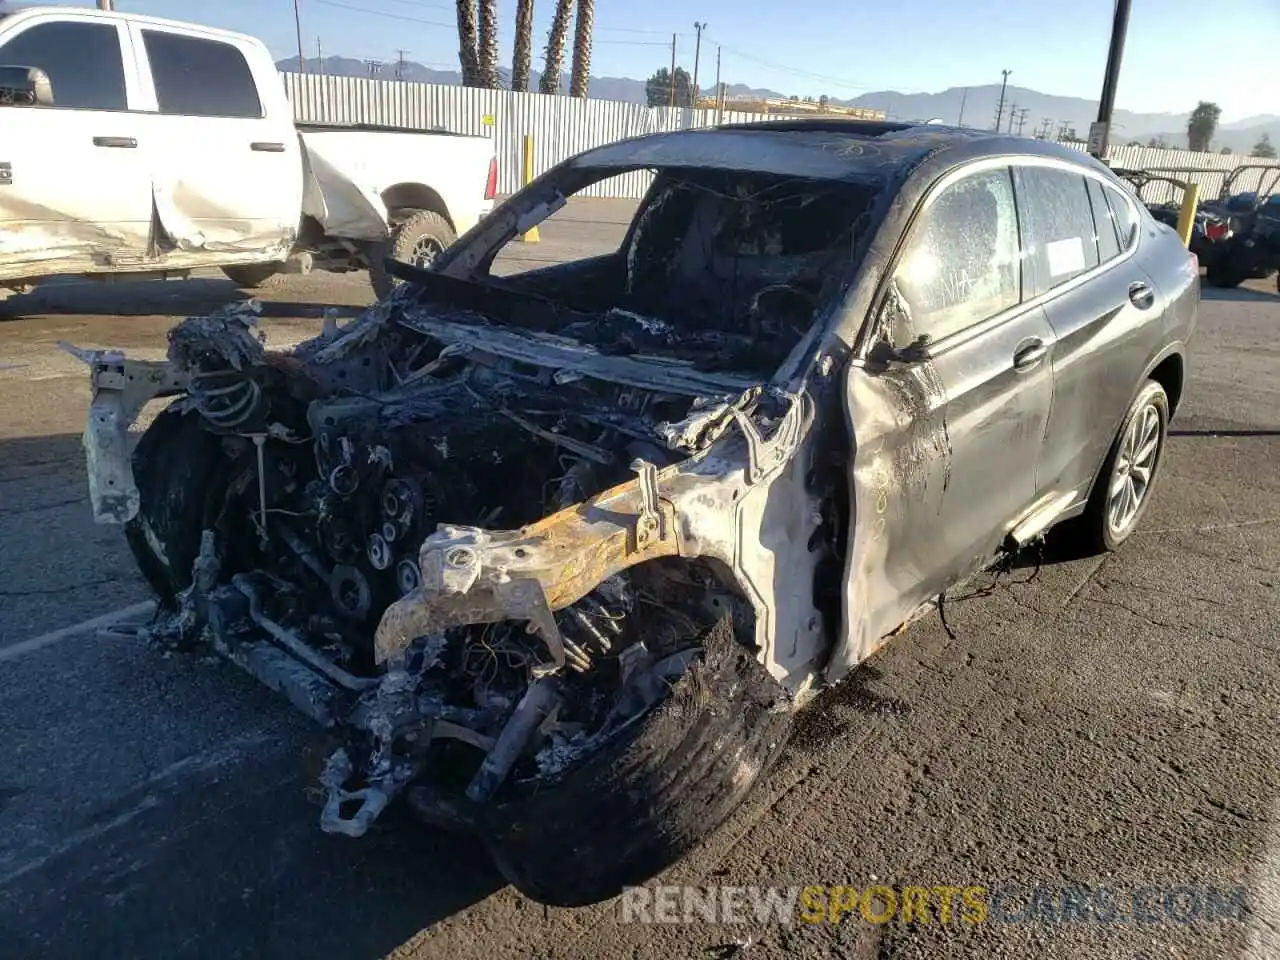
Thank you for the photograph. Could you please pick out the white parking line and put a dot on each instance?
(137, 611)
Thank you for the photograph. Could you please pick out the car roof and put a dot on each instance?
(820, 148)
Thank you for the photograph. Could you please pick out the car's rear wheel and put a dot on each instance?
(1122, 491)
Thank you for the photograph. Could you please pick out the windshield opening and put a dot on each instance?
(724, 269)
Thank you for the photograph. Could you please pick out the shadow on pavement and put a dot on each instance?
(1237, 294)
(1224, 433)
(185, 859)
(177, 298)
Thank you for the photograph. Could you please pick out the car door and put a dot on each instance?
(1080, 262)
(77, 191)
(947, 409)
(229, 177)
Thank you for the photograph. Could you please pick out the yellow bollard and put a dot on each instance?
(526, 178)
(1187, 215)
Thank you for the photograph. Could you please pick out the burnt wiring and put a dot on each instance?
(1001, 578)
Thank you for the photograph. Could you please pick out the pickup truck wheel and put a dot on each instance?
(417, 239)
(667, 782)
(250, 275)
(1122, 490)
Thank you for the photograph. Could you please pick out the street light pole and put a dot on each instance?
(1004, 82)
(1099, 135)
(105, 5)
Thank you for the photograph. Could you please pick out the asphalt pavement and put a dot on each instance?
(1100, 723)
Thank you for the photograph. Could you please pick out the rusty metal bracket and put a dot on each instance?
(470, 575)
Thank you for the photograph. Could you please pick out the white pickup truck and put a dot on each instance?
(140, 146)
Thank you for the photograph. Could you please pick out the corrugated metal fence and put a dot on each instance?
(563, 126)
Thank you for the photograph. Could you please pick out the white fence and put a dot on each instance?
(563, 126)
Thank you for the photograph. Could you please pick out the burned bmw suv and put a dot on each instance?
(557, 555)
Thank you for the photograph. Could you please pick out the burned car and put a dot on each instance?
(557, 555)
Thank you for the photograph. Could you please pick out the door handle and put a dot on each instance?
(262, 146)
(1141, 295)
(125, 143)
(1029, 354)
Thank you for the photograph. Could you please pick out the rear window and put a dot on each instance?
(195, 77)
(1058, 235)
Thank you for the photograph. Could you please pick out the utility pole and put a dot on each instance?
(319, 58)
(1000, 109)
(105, 5)
(374, 67)
(697, 53)
(1013, 112)
(964, 98)
(400, 64)
(297, 25)
(1022, 118)
(671, 98)
(1099, 134)
(1045, 126)
(719, 85)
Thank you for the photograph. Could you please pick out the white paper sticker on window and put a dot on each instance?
(1065, 256)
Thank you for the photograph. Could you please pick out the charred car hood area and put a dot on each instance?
(480, 552)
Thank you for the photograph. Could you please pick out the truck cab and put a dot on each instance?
(144, 143)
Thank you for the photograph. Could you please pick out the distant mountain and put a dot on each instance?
(973, 106)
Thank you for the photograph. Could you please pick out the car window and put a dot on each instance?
(82, 60)
(962, 263)
(1057, 226)
(200, 78)
(1104, 222)
(1123, 213)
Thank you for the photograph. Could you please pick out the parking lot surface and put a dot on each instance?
(1087, 722)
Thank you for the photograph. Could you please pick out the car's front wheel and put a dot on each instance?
(1122, 490)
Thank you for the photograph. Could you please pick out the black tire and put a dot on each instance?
(419, 227)
(250, 275)
(174, 466)
(1094, 529)
(637, 807)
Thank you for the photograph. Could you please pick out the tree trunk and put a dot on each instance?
(581, 75)
(488, 46)
(553, 65)
(524, 41)
(467, 43)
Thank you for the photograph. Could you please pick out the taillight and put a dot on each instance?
(491, 185)
(1218, 230)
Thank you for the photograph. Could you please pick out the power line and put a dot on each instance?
(808, 74)
(390, 16)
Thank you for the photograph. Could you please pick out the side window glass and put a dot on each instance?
(1057, 226)
(962, 263)
(1104, 222)
(1124, 217)
(200, 78)
(82, 60)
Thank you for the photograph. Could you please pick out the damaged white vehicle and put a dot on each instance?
(558, 554)
(133, 147)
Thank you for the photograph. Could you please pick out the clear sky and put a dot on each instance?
(1178, 51)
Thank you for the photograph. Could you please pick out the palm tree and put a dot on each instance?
(488, 47)
(581, 75)
(467, 57)
(524, 41)
(553, 65)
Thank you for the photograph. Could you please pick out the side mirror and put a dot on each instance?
(25, 87)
